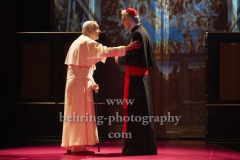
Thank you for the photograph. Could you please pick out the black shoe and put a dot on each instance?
(134, 152)
(130, 152)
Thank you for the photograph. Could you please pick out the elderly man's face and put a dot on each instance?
(94, 34)
(126, 22)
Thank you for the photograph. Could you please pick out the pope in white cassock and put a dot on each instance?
(79, 133)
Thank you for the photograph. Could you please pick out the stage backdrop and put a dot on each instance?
(177, 30)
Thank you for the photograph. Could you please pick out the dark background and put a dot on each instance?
(17, 16)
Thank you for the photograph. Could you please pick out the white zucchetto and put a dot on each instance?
(86, 23)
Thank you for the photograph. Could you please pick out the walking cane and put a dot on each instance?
(96, 92)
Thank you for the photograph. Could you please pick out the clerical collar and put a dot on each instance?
(134, 28)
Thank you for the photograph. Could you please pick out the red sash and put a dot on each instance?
(130, 71)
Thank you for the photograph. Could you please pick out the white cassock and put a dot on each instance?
(79, 127)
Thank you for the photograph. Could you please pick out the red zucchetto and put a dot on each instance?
(132, 11)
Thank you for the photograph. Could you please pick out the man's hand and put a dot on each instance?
(116, 59)
(95, 88)
(134, 45)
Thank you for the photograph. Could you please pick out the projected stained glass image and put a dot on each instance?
(179, 23)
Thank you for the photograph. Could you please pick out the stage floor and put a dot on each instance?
(167, 150)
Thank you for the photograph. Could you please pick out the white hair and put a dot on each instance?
(88, 26)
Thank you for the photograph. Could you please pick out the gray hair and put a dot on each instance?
(136, 19)
(88, 26)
